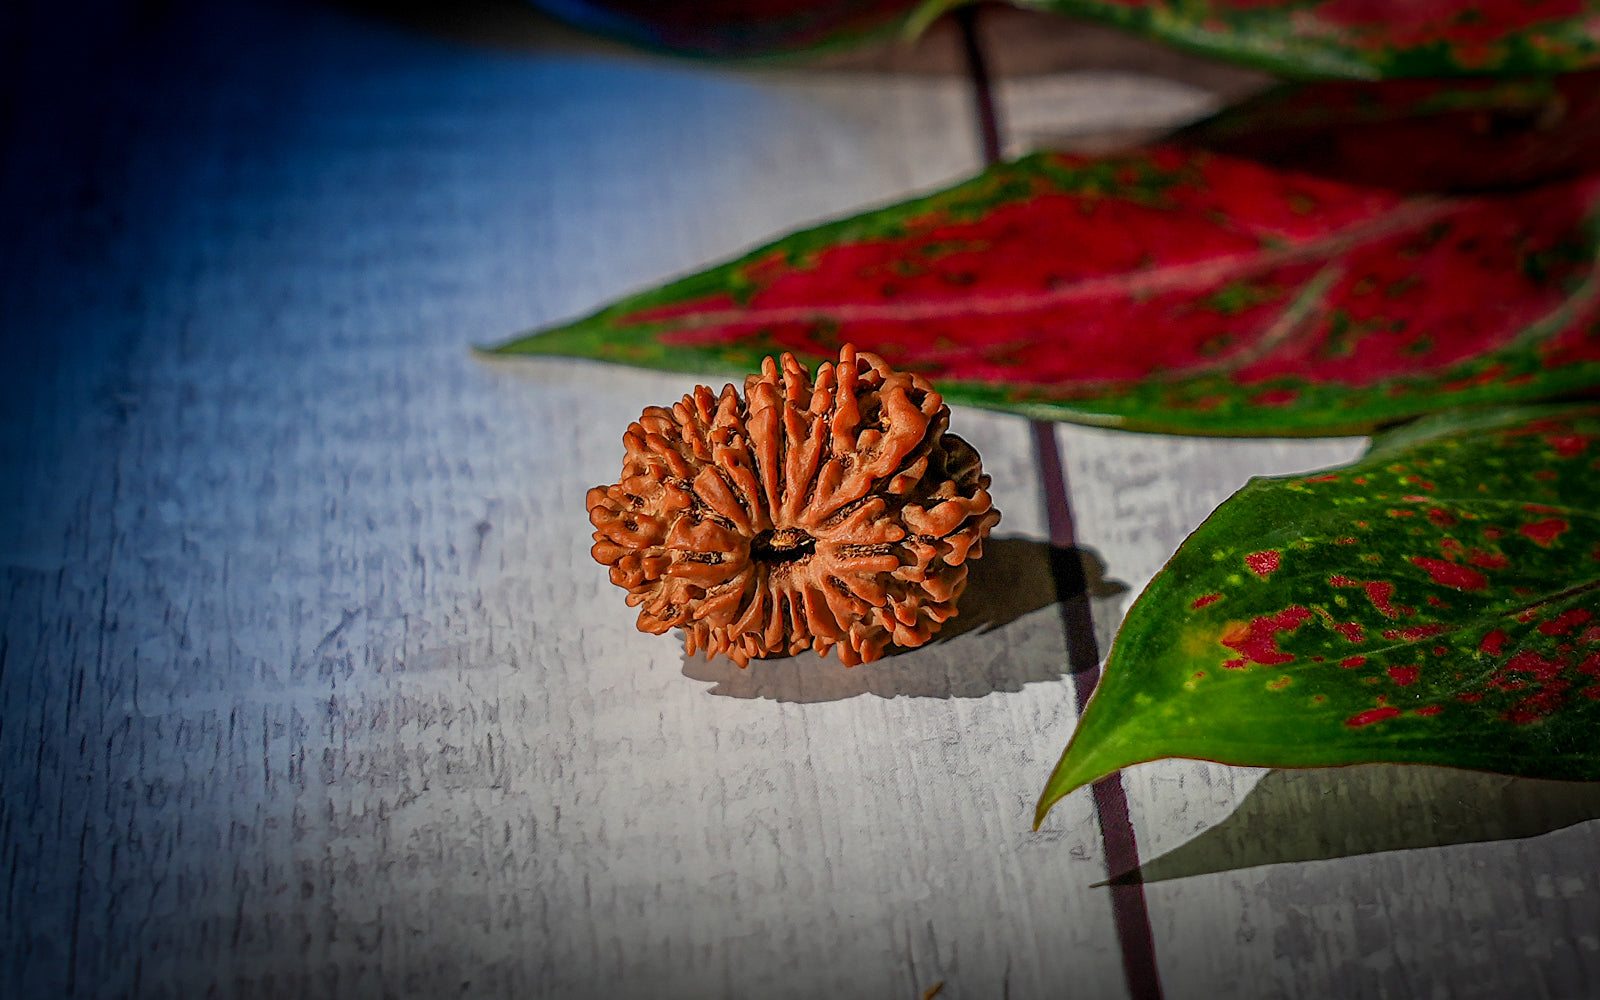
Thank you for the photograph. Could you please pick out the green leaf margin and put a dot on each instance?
(1265, 513)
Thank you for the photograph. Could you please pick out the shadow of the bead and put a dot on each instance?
(1000, 640)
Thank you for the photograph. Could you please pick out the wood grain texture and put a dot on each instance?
(310, 687)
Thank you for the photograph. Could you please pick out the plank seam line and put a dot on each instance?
(1129, 908)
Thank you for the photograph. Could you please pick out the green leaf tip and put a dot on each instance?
(924, 14)
(1085, 761)
(1435, 602)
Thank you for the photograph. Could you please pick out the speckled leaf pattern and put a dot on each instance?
(1438, 601)
(1165, 290)
(1362, 39)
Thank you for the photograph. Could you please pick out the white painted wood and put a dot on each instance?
(307, 682)
(1097, 111)
(310, 687)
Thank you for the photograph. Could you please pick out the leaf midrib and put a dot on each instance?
(1175, 277)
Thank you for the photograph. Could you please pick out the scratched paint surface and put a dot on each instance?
(1360, 39)
(1437, 601)
(1167, 290)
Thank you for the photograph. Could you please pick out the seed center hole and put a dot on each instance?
(782, 545)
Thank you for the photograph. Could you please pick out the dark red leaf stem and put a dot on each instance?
(1129, 908)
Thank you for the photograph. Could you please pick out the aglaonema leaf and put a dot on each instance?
(1166, 290)
(1420, 136)
(1437, 601)
(1359, 39)
(730, 29)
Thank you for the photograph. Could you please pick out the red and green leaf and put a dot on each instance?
(1361, 39)
(730, 29)
(1168, 290)
(1437, 601)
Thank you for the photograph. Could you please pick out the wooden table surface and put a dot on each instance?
(309, 686)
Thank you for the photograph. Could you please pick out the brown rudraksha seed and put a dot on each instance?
(803, 516)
